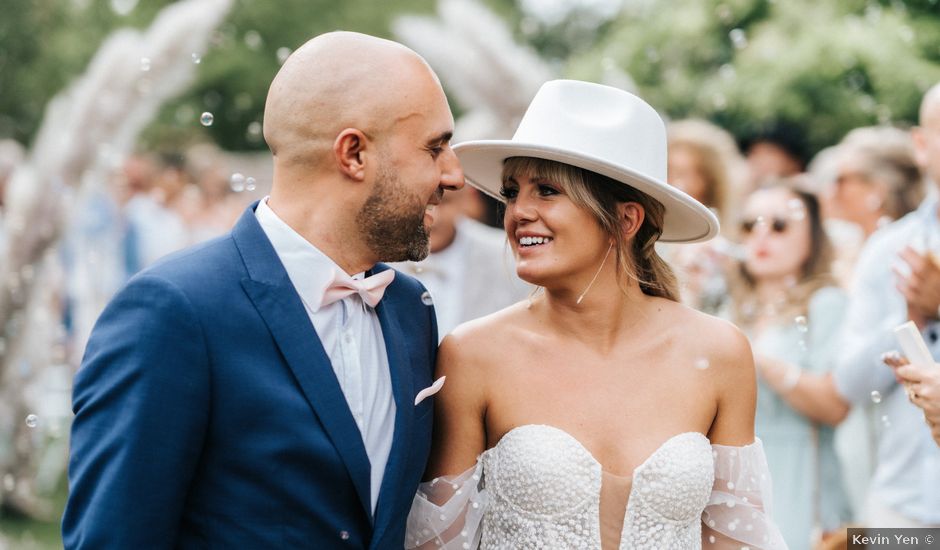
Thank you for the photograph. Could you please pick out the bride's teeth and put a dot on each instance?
(529, 241)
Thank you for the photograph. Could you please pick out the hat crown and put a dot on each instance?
(599, 121)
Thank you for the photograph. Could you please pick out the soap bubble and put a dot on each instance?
(254, 131)
(801, 324)
(253, 40)
(237, 182)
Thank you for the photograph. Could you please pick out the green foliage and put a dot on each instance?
(825, 66)
(46, 43)
(235, 73)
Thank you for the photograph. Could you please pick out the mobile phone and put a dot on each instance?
(912, 344)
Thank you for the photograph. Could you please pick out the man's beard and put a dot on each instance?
(392, 221)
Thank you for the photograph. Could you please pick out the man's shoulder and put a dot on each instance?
(201, 264)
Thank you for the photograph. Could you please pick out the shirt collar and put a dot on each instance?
(309, 269)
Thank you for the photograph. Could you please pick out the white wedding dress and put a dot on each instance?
(540, 488)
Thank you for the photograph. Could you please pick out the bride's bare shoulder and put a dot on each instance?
(720, 341)
(480, 340)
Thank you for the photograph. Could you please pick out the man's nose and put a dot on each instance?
(452, 174)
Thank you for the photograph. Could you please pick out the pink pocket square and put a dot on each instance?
(430, 390)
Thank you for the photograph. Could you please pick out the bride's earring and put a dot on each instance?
(532, 296)
(581, 297)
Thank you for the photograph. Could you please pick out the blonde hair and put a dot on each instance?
(886, 154)
(815, 273)
(720, 161)
(637, 259)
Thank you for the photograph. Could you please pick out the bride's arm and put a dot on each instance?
(459, 408)
(448, 508)
(735, 383)
(738, 512)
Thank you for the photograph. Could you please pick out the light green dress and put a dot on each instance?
(790, 438)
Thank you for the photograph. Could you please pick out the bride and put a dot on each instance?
(601, 413)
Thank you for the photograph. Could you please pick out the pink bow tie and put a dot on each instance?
(371, 289)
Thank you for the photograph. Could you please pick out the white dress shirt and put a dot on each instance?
(907, 475)
(351, 336)
(442, 273)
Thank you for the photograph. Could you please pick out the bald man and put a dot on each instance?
(260, 391)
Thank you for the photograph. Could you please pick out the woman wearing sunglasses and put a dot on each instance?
(787, 302)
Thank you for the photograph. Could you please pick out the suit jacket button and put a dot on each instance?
(344, 535)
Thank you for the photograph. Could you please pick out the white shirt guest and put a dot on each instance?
(905, 490)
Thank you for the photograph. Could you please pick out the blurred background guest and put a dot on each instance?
(774, 150)
(873, 180)
(154, 214)
(877, 179)
(211, 206)
(896, 280)
(788, 304)
(704, 161)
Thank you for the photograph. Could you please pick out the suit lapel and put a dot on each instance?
(402, 388)
(278, 303)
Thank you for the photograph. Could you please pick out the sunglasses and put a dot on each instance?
(776, 225)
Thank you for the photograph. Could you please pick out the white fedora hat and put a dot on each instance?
(598, 128)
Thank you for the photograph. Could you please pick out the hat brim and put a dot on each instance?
(686, 220)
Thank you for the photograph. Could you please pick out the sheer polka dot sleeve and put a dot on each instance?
(447, 512)
(738, 514)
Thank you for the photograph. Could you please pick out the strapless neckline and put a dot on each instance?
(541, 474)
(538, 486)
(513, 432)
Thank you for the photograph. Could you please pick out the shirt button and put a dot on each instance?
(344, 535)
(348, 338)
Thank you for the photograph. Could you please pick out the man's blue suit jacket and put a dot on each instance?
(207, 414)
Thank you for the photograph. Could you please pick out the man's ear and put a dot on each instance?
(631, 216)
(348, 149)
